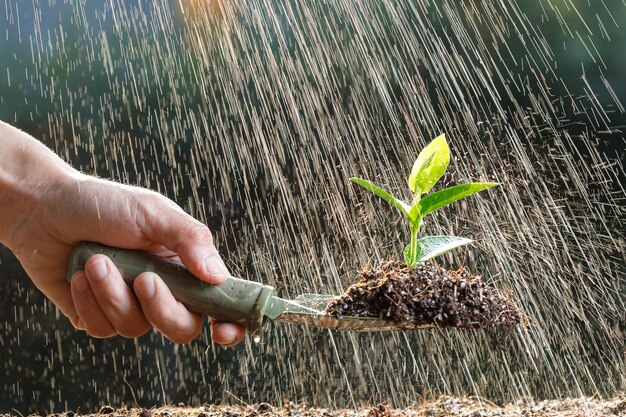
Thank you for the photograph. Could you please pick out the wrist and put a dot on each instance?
(28, 171)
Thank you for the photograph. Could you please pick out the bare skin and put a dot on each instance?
(48, 207)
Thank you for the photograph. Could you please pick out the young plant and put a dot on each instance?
(429, 167)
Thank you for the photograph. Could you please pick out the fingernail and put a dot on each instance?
(148, 288)
(229, 342)
(99, 269)
(80, 282)
(229, 334)
(215, 267)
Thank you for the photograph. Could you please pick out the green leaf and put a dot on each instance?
(444, 197)
(430, 165)
(399, 204)
(430, 246)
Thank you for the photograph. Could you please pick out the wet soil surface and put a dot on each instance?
(444, 407)
(427, 295)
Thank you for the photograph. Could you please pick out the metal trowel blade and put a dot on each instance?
(308, 310)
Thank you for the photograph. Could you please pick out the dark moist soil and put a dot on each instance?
(426, 295)
(443, 407)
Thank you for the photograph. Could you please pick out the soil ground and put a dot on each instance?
(443, 407)
(425, 295)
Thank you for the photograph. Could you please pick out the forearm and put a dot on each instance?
(27, 170)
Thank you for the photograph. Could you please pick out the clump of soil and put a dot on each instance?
(426, 295)
(383, 410)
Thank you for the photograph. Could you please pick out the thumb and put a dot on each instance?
(167, 224)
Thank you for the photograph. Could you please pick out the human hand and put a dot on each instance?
(98, 300)
(52, 212)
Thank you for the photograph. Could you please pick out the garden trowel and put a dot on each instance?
(236, 300)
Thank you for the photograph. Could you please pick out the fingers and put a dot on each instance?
(170, 226)
(165, 313)
(227, 334)
(114, 297)
(91, 317)
(106, 306)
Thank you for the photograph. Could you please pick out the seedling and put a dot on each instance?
(428, 168)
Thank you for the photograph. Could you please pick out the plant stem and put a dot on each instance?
(415, 228)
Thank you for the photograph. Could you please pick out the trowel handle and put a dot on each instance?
(235, 300)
